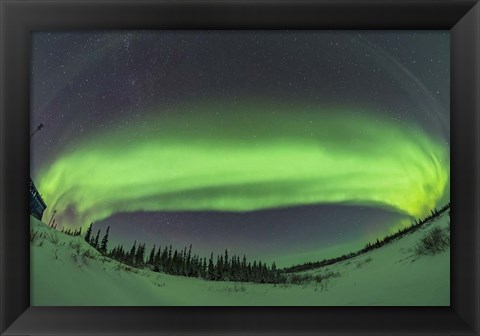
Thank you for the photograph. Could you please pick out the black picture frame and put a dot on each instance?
(18, 18)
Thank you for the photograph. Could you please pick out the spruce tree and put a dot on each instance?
(244, 269)
(103, 245)
(132, 254)
(226, 267)
(151, 257)
(140, 256)
(158, 257)
(219, 268)
(164, 258)
(211, 268)
(169, 258)
(274, 273)
(89, 233)
(113, 253)
(121, 253)
(95, 242)
(188, 262)
(204, 268)
(174, 262)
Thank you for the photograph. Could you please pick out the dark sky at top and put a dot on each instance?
(87, 83)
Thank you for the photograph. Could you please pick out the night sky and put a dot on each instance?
(282, 145)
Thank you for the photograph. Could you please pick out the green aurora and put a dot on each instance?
(248, 157)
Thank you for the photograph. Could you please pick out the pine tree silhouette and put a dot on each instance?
(95, 242)
(151, 257)
(103, 245)
(132, 253)
(211, 268)
(89, 233)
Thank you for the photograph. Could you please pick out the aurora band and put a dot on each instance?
(249, 157)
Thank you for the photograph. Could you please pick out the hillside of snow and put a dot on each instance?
(65, 270)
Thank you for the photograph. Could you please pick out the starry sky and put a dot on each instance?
(283, 145)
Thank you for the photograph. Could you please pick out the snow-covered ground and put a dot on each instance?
(67, 271)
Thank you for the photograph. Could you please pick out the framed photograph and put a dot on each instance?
(248, 167)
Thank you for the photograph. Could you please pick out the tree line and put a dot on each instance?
(370, 246)
(71, 232)
(95, 242)
(225, 267)
(184, 262)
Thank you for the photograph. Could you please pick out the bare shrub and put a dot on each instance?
(325, 276)
(74, 257)
(305, 279)
(33, 236)
(323, 280)
(300, 279)
(363, 262)
(236, 288)
(53, 238)
(75, 245)
(87, 254)
(126, 268)
(118, 267)
(434, 241)
(37, 237)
